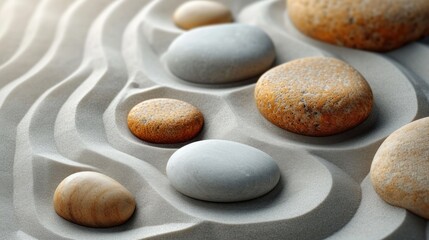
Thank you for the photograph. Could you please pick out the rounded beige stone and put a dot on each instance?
(94, 200)
(164, 120)
(315, 96)
(376, 25)
(194, 14)
(400, 168)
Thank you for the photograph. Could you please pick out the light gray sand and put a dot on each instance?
(70, 71)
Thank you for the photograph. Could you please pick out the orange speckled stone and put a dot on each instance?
(164, 120)
(314, 96)
(376, 25)
(400, 169)
(194, 14)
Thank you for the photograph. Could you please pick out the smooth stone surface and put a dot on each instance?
(400, 169)
(165, 120)
(220, 54)
(314, 96)
(94, 200)
(194, 14)
(222, 171)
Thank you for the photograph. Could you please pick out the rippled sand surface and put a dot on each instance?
(70, 71)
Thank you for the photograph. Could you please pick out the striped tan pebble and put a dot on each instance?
(400, 168)
(94, 200)
(164, 120)
(194, 14)
(315, 96)
(376, 25)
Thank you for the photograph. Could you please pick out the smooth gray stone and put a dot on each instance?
(222, 171)
(220, 54)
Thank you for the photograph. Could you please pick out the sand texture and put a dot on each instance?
(70, 71)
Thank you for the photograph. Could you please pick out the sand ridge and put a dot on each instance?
(76, 80)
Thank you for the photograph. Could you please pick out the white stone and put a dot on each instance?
(221, 54)
(222, 171)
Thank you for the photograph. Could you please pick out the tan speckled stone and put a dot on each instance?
(400, 169)
(377, 25)
(194, 14)
(164, 120)
(314, 96)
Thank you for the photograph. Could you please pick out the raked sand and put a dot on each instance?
(71, 70)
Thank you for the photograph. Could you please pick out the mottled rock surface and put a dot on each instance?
(377, 25)
(314, 96)
(400, 169)
(165, 120)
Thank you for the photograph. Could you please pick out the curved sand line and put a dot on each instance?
(76, 74)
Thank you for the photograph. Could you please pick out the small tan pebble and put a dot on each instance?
(376, 25)
(400, 168)
(194, 14)
(164, 120)
(315, 96)
(94, 200)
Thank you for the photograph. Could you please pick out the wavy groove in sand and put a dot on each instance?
(76, 67)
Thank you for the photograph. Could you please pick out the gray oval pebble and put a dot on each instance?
(220, 54)
(222, 171)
